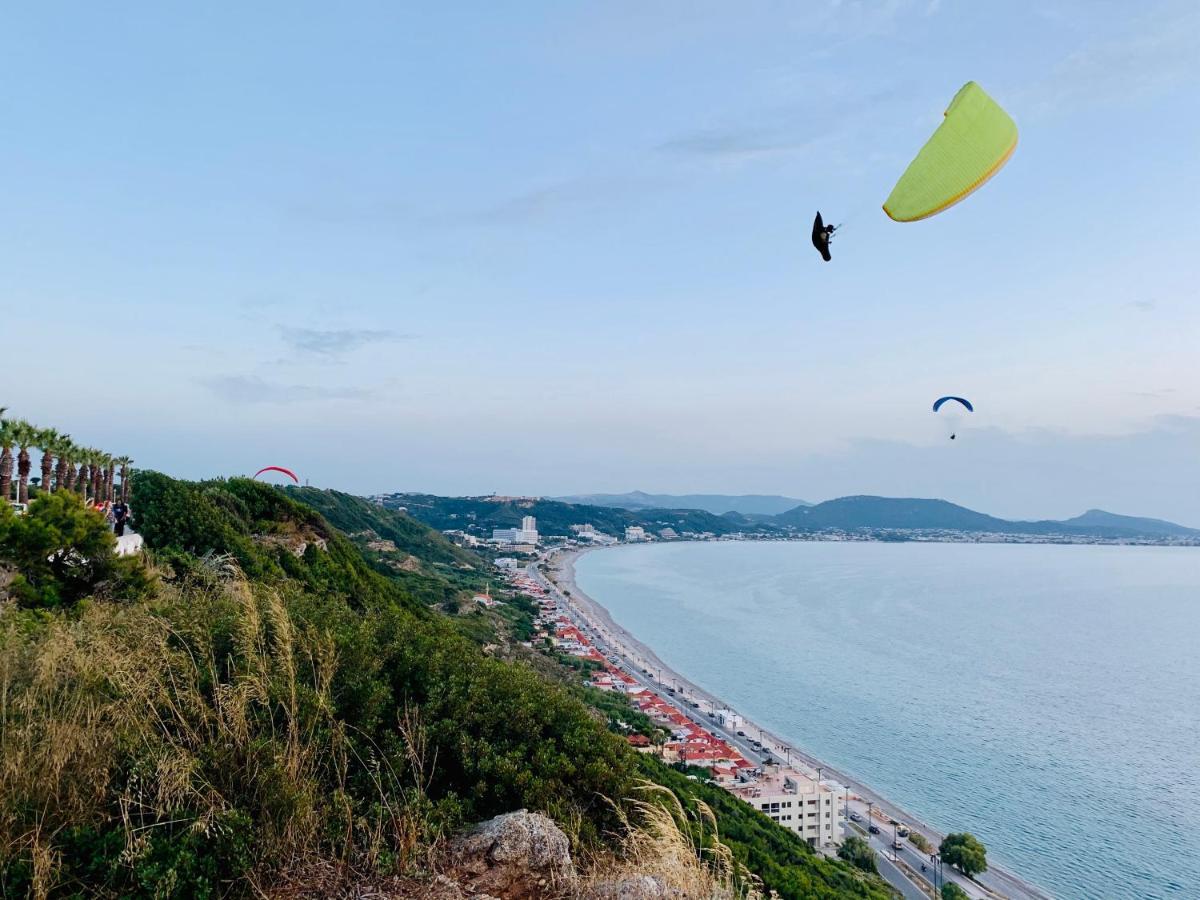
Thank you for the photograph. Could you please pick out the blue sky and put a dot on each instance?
(558, 247)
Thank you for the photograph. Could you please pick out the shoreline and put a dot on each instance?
(561, 565)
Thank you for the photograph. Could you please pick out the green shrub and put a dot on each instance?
(856, 851)
(59, 552)
(919, 841)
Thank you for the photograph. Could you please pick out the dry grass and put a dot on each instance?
(658, 842)
(130, 717)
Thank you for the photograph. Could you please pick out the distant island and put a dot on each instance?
(844, 518)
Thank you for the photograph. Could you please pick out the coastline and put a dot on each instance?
(998, 881)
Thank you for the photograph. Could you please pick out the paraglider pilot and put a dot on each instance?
(821, 235)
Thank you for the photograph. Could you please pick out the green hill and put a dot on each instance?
(481, 514)
(268, 695)
(866, 512)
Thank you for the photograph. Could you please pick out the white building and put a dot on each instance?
(526, 534)
(635, 533)
(811, 809)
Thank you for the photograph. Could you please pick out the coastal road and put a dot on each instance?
(991, 884)
(636, 666)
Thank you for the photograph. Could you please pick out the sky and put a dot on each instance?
(548, 248)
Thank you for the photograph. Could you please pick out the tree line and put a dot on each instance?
(65, 464)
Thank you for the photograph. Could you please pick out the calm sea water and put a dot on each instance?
(1046, 698)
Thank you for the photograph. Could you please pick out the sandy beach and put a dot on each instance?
(561, 569)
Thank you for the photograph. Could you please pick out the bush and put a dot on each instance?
(856, 851)
(60, 552)
(919, 841)
(951, 891)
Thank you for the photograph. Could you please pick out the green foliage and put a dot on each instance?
(621, 715)
(554, 517)
(279, 696)
(951, 891)
(784, 862)
(964, 851)
(355, 516)
(856, 851)
(60, 552)
(919, 841)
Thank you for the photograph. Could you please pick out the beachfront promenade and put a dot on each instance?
(638, 660)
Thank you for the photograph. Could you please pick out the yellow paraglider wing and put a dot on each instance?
(970, 146)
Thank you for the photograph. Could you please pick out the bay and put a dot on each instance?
(1043, 697)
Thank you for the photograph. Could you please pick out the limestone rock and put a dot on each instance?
(517, 855)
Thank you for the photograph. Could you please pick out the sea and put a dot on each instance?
(1044, 697)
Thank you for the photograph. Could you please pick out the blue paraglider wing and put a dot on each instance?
(963, 400)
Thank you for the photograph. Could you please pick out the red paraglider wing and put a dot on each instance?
(288, 472)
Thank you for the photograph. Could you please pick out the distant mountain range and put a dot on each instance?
(848, 514)
(852, 513)
(717, 504)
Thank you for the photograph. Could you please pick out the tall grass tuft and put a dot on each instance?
(680, 848)
(191, 740)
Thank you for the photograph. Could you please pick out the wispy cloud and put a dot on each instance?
(1143, 305)
(337, 342)
(733, 145)
(1156, 52)
(250, 389)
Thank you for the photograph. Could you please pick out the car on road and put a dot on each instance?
(897, 844)
(741, 734)
(902, 830)
(855, 817)
(874, 829)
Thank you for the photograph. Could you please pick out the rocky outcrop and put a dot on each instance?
(632, 887)
(518, 855)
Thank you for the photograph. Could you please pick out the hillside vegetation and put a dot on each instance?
(553, 517)
(260, 696)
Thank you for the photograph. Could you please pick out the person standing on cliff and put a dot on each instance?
(120, 512)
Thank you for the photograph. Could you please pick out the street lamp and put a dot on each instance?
(870, 810)
(895, 840)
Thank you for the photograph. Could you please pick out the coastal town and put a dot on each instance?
(710, 740)
(796, 799)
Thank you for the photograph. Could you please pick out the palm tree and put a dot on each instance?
(63, 448)
(24, 435)
(124, 462)
(66, 466)
(46, 439)
(6, 458)
(97, 470)
(108, 475)
(83, 479)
